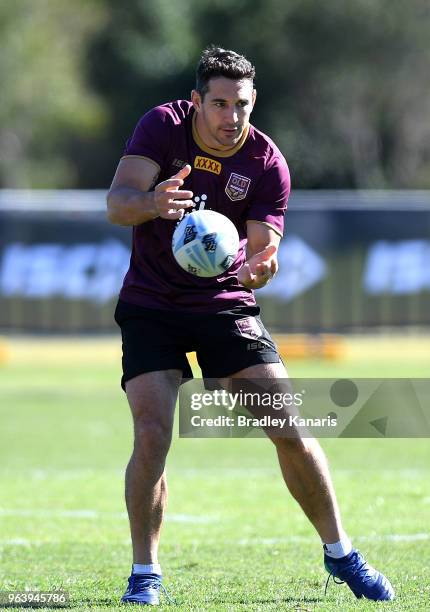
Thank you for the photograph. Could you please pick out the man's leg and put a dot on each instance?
(305, 471)
(304, 468)
(152, 398)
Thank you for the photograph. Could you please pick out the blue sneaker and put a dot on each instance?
(143, 589)
(362, 578)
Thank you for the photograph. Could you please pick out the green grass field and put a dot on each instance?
(233, 538)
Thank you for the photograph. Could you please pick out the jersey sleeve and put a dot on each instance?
(270, 197)
(151, 137)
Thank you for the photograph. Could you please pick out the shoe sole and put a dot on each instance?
(139, 602)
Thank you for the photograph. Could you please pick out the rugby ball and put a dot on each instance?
(205, 243)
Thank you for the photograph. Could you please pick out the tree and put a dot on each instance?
(342, 87)
(44, 100)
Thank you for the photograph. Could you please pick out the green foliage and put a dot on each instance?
(343, 87)
(44, 100)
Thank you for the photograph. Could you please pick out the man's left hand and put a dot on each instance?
(259, 269)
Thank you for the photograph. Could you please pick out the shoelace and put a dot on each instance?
(334, 580)
(142, 582)
(360, 570)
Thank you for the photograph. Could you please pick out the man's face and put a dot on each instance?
(224, 112)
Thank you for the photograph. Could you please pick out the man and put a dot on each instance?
(184, 155)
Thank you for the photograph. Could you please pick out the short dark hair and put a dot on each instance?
(218, 62)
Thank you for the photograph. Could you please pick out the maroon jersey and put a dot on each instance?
(249, 182)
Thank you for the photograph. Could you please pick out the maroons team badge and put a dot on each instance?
(249, 328)
(237, 187)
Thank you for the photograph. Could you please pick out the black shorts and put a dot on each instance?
(225, 342)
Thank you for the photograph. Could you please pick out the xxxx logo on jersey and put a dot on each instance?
(205, 163)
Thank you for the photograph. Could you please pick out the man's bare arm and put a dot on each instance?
(130, 200)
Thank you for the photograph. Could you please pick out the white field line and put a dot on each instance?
(96, 515)
(194, 520)
(206, 472)
(390, 537)
(17, 542)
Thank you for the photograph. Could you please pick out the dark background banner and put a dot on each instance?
(348, 261)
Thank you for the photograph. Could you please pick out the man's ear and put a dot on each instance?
(254, 96)
(196, 99)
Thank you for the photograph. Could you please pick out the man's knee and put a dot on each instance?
(294, 444)
(152, 438)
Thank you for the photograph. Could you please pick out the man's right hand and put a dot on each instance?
(169, 200)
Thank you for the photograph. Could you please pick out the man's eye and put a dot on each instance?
(243, 103)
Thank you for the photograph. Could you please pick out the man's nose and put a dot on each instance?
(231, 115)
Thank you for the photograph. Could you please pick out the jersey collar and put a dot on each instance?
(216, 152)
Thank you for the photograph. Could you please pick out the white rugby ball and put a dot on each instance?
(205, 243)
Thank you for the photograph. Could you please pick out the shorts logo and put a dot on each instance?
(237, 187)
(204, 163)
(249, 328)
